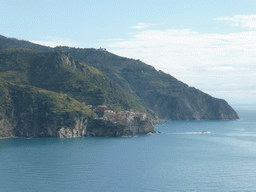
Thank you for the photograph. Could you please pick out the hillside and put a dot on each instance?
(143, 87)
(28, 111)
(168, 97)
(58, 71)
(9, 43)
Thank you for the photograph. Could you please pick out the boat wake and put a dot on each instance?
(192, 133)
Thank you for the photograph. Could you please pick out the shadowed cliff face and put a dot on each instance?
(27, 111)
(101, 128)
(192, 104)
(6, 129)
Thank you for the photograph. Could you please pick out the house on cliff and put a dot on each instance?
(123, 116)
(100, 110)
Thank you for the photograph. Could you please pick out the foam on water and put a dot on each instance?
(192, 133)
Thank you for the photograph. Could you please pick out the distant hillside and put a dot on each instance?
(9, 43)
(58, 71)
(161, 92)
(142, 85)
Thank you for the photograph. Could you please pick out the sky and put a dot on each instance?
(210, 45)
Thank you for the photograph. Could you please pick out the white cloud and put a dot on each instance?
(142, 26)
(244, 21)
(55, 41)
(218, 68)
(202, 60)
(244, 69)
(112, 39)
(186, 48)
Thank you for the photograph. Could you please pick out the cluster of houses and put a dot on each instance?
(121, 116)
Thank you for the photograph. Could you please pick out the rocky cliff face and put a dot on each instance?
(6, 129)
(95, 128)
(26, 111)
(102, 128)
(52, 130)
(190, 104)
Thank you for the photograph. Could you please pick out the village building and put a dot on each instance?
(101, 108)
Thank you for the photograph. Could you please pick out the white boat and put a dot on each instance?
(206, 132)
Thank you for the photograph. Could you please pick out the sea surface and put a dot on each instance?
(180, 158)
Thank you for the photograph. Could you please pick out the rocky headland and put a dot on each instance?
(28, 111)
(103, 128)
(54, 92)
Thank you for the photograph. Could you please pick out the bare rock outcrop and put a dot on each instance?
(103, 128)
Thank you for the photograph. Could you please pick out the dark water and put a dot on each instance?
(180, 158)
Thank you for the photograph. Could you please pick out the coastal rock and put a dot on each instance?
(102, 128)
(33, 112)
(78, 130)
(54, 130)
(6, 130)
(27, 111)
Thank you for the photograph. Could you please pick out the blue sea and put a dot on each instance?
(180, 158)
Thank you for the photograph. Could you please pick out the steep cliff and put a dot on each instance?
(26, 111)
(102, 128)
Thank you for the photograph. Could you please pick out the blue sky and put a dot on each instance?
(210, 45)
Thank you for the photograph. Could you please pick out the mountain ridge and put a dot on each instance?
(157, 93)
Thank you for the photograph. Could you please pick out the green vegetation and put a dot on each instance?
(28, 107)
(159, 93)
(60, 104)
(58, 71)
(104, 78)
(9, 43)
